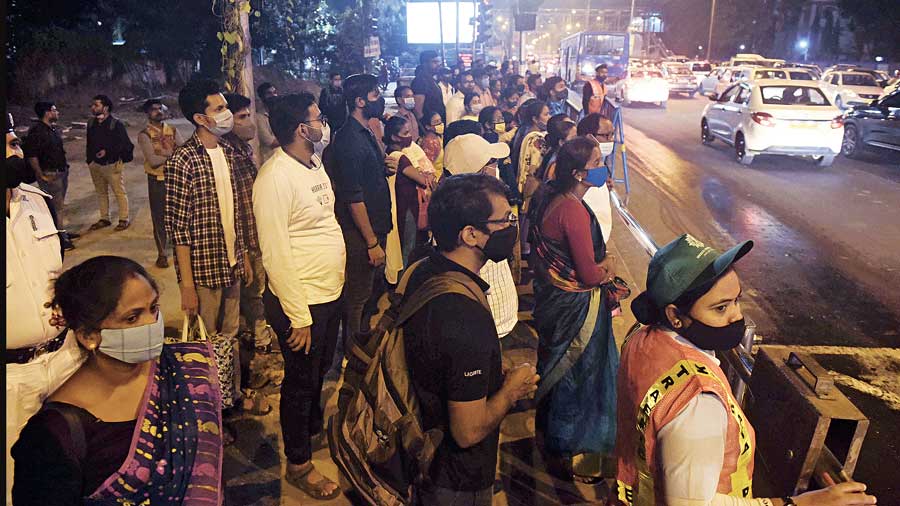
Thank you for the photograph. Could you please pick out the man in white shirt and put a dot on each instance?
(456, 108)
(39, 355)
(304, 255)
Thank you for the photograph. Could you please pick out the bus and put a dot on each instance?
(581, 52)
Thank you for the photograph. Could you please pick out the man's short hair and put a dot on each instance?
(359, 86)
(264, 88)
(460, 201)
(287, 113)
(533, 78)
(236, 102)
(42, 108)
(462, 77)
(333, 74)
(150, 103)
(192, 98)
(426, 56)
(105, 101)
(601, 66)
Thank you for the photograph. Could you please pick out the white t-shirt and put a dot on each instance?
(225, 196)
(302, 245)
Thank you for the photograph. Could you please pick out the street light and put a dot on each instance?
(804, 45)
(743, 47)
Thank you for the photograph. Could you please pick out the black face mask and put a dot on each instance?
(714, 338)
(15, 169)
(374, 108)
(520, 88)
(500, 244)
(562, 95)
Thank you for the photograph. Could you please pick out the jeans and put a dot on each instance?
(104, 177)
(437, 496)
(301, 391)
(157, 192)
(363, 284)
(58, 189)
(28, 386)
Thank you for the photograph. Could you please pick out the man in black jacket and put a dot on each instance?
(332, 103)
(108, 150)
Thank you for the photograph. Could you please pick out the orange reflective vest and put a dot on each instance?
(163, 141)
(596, 101)
(658, 377)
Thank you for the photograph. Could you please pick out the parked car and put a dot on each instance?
(643, 85)
(850, 87)
(774, 116)
(680, 78)
(874, 125)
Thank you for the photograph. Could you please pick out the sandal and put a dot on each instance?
(259, 405)
(100, 224)
(315, 490)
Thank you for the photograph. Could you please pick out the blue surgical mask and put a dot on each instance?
(597, 176)
(136, 344)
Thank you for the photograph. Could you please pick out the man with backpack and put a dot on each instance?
(108, 150)
(439, 360)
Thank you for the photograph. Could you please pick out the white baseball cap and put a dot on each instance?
(469, 153)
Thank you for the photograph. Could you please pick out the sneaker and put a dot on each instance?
(123, 224)
(162, 262)
(100, 224)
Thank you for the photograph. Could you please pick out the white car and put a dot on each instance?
(643, 85)
(721, 79)
(848, 87)
(700, 69)
(680, 78)
(775, 116)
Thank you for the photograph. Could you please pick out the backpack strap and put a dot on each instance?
(446, 283)
(76, 430)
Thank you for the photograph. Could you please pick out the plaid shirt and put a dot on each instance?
(193, 217)
(245, 170)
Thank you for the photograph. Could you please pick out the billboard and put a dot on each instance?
(423, 25)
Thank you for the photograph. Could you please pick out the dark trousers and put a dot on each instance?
(157, 193)
(301, 412)
(436, 496)
(363, 284)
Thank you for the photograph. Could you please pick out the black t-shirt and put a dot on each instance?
(453, 354)
(46, 144)
(356, 166)
(423, 84)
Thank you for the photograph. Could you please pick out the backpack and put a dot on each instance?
(376, 437)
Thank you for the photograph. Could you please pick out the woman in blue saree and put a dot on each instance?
(577, 354)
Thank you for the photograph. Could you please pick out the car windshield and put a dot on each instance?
(770, 74)
(701, 67)
(792, 95)
(646, 73)
(801, 76)
(859, 80)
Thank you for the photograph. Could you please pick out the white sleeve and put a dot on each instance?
(272, 199)
(691, 453)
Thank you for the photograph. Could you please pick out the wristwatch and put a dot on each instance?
(789, 501)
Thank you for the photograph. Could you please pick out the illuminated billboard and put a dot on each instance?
(423, 25)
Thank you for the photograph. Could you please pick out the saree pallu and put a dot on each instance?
(176, 450)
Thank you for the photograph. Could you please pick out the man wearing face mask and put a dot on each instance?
(698, 446)
(557, 92)
(594, 92)
(483, 87)
(456, 107)
(108, 150)
(406, 103)
(206, 205)
(358, 169)
(39, 355)
(333, 105)
(157, 142)
(304, 256)
(454, 363)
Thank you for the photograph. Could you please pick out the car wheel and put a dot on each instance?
(740, 150)
(851, 146)
(705, 135)
(663, 104)
(825, 161)
(839, 102)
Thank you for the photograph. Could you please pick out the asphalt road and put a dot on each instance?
(823, 274)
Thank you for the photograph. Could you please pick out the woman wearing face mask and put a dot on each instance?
(559, 130)
(698, 446)
(410, 189)
(432, 141)
(473, 105)
(138, 422)
(577, 353)
(528, 151)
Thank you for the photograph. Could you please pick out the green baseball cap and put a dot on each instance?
(680, 266)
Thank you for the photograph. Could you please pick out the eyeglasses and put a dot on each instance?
(512, 218)
(321, 119)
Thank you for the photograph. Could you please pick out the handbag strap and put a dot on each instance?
(185, 329)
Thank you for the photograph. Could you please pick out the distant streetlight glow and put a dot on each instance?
(743, 47)
(803, 44)
(699, 48)
(499, 19)
(568, 27)
(879, 59)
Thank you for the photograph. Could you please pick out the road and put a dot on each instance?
(824, 270)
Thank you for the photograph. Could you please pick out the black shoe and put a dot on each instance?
(68, 245)
(73, 235)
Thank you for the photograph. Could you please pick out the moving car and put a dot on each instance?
(813, 69)
(643, 85)
(801, 74)
(774, 116)
(850, 87)
(700, 69)
(723, 77)
(781, 73)
(680, 78)
(874, 125)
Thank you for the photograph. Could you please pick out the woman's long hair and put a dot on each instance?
(573, 156)
(557, 129)
(528, 112)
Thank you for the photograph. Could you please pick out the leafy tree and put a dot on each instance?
(294, 31)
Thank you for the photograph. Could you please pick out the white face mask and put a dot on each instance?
(477, 108)
(224, 123)
(409, 103)
(136, 344)
(326, 138)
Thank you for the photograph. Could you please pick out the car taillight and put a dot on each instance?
(763, 118)
(837, 122)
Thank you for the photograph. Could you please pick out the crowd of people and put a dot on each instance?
(481, 175)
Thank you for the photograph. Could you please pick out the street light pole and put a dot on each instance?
(631, 16)
(712, 18)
